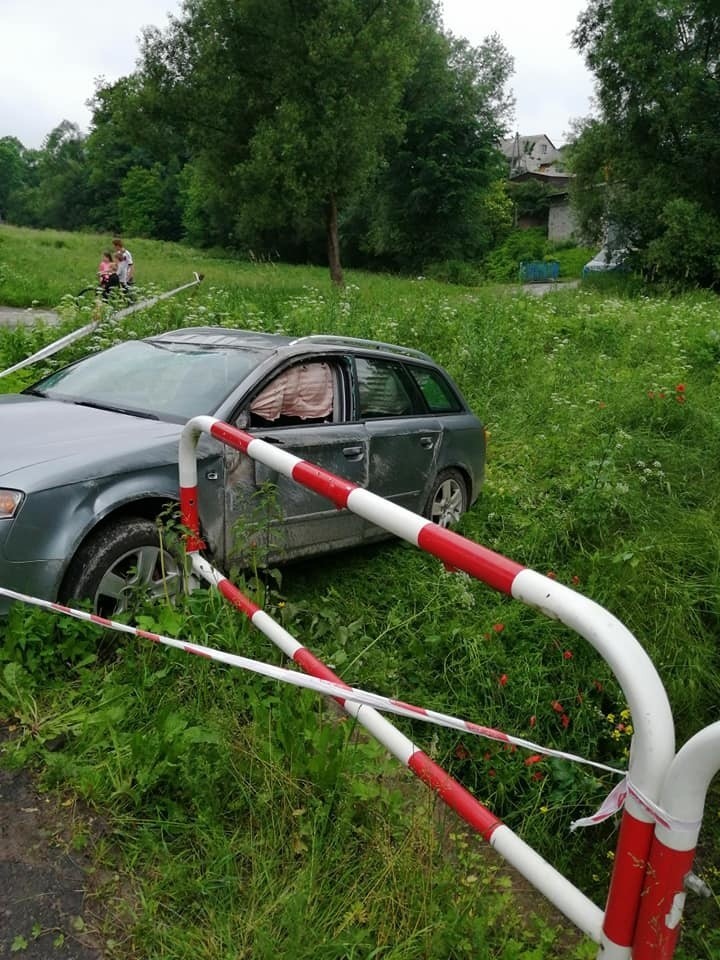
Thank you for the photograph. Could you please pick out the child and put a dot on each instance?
(107, 273)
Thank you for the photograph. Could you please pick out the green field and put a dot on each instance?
(244, 819)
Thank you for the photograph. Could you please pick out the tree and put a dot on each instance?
(13, 172)
(309, 98)
(131, 135)
(437, 196)
(63, 195)
(657, 140)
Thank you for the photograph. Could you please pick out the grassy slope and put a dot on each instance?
(601, 470)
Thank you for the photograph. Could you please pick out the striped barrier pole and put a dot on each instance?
(653, 737)
(543, 876)
(672, 853)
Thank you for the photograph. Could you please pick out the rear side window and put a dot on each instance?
(382, 390)
(439, 395)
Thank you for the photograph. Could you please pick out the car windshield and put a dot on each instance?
(169, 380)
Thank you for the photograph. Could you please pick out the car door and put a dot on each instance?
(304, 409)
(403, 437)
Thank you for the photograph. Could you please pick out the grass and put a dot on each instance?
(244, 815)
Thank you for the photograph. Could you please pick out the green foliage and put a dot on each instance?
(650, 159)
(439, 196)
(243, 813)
(503, 263)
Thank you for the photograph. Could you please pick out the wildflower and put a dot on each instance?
(491, 773)
(662, 396)
(568, 655)
(557, 706)
(538, 775)
(551, 575)
(651, 394)
(498, 627)
(487, 755)
(461, 751)
(535, 758)
(680, 398)
(680, 388)
(597, 685)
(575, 580)
(532, 720)
(544, 809)
(502, 679)
(565, 720)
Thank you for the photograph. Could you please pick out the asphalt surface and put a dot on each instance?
(43, 911)
(13, 316)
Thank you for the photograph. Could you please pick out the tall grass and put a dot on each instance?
(249, 816)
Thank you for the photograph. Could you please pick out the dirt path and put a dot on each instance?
(43, 913)
(12, 316)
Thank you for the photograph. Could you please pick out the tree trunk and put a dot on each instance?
(333, 242)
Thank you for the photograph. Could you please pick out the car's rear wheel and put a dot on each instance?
(122, 562)
(448, 498)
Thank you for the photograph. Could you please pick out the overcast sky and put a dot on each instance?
(52, 52)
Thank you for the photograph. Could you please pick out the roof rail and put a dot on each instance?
(359, 342)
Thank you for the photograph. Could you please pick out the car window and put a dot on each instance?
(171, 380)
(382, 389)
(438, 394)
(302, 394)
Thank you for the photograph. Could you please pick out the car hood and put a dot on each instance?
(45, 443)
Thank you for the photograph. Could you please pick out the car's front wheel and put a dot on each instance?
(448, 498)
(122, 561)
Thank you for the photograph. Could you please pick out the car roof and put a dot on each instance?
(276, 342)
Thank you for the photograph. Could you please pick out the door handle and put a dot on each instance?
(427, 442)
(353, 453)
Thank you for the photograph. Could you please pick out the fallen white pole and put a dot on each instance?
(52, 348)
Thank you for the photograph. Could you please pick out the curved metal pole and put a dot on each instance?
(673, 849)
(653, 742)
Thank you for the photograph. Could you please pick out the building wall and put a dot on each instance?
(562, 224)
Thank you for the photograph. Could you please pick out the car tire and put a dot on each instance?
(448, 498)
(122, 562)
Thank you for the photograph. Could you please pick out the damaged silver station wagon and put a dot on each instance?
(89, 455)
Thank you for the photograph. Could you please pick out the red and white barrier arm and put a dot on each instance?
(673, 849)
(653, 743)
(542, 875)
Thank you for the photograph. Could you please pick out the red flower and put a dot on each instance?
(568, 655)
(538, 775)
(680, 388)
(491, 773)
(575, 580)
(597, 685)
(557, 706)
(532, 720)
(662, 396)
(487, 755)
(680, 398)
(565, 720)
(462, 752)
(535, 758)
(502, 679)
(498, 627)
(551, 575)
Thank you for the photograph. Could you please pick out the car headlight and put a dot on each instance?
(10, 500)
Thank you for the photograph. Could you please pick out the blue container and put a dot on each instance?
(539, 271)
